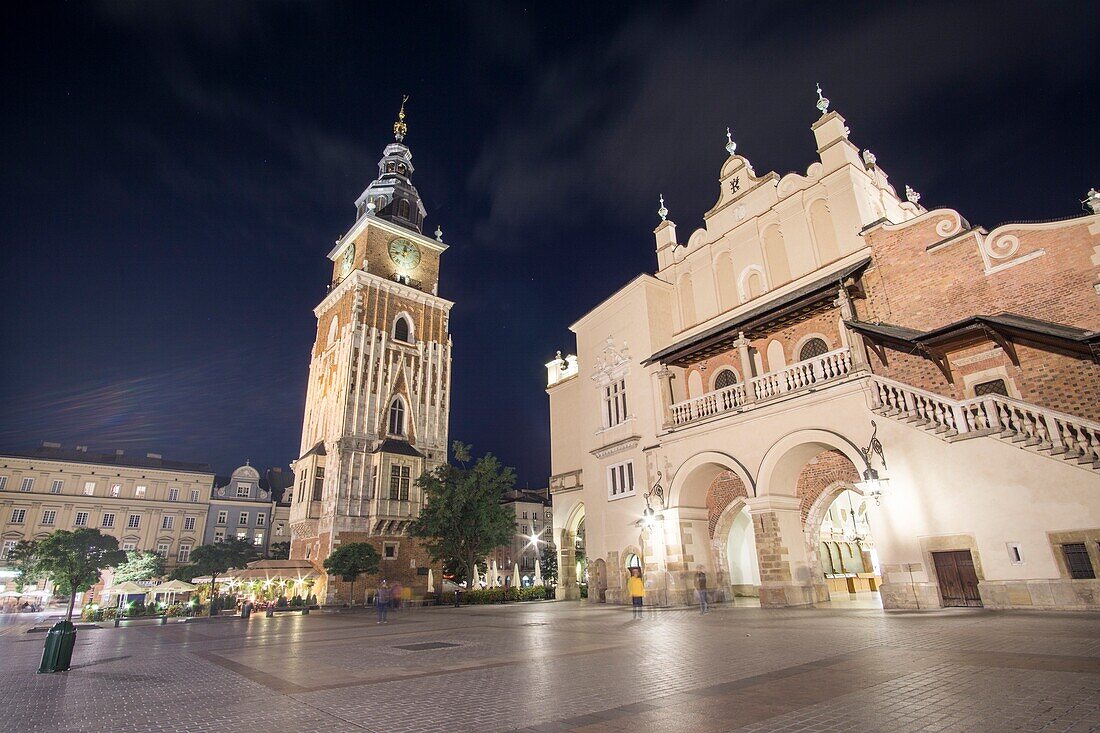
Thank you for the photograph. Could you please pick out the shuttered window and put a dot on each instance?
(1078, 561)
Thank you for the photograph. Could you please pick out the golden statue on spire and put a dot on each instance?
(399, 127)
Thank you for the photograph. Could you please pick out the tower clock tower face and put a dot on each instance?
(405, 254)
(348, 261)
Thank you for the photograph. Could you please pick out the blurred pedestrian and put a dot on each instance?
(701, 590)
(382, 602)
(636, 588)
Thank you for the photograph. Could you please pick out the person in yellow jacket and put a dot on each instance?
(636, 588)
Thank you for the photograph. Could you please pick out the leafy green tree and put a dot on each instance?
(72, 561)
(462, 519)
(279, 551)
(350, 560)
(549, 562)
(144, 565)
(219, 558)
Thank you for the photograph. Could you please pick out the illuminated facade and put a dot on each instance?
(733, 393)
(378, 397)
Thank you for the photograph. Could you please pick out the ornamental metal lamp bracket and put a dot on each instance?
(649, 516)
(872, 484)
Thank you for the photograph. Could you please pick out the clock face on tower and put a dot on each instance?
(349, 260)
(405, 254)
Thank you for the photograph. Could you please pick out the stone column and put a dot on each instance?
(664, 389)
(742, 345)
(788, 575)
(855, 340)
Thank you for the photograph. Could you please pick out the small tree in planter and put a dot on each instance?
(72, 561)
(350, 560)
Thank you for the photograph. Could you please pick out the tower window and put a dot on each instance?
(397, 417)
(403, 208)
(401, 168)
(725, 378)
(401, 330)
(391, 167)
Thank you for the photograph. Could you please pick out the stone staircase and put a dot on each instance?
(1038, 429)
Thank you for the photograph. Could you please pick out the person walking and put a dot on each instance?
(701, 590)
(636, 588)
(382, 602)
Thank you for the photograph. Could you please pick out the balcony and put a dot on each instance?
(804, 375)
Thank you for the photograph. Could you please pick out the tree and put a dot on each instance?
(219, 558)
(72, 561)
(279, 551)
(549, 562)
(144, 565)
(462, 519)
(349, 560)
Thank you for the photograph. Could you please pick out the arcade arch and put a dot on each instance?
(571, 554)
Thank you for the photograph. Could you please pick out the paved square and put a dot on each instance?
(568, 666)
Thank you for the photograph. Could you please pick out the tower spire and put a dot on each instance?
(399, 127)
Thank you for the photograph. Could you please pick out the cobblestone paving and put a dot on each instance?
(567, 666)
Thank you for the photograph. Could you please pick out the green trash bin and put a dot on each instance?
(58, 654)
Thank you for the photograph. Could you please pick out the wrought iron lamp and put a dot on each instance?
(872, 484)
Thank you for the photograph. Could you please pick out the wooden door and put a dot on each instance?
(958, 579)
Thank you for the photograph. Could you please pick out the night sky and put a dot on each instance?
(175, 173)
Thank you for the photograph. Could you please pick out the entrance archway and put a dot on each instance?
(742, 563)
(571, 555)
(839, 528)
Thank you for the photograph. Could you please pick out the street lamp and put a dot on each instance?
(872, 484)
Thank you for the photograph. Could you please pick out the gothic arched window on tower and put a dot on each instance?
(401, 168)
(391, 167)
(403, 208)
(401, 330)
(397, 417)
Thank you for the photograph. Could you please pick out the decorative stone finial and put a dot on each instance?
(399, 127)
(912, 196)
(1092, 201)
(662, 212)
(822, 101)
(731, 146)
(869, 159)
(439, 233)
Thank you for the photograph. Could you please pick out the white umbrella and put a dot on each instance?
(515, 575)
(431, 581)
(493, 574)
(538, 572)
(476, 580)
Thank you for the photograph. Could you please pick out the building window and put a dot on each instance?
(242, 534)
(219, 535)
(108, 520)
(129, 546)
(1015, 554)
(188, 524)
(620, 480)
(261, 519)
(9, 545)
(279, 529)
(614, 401)
(258, 539)
(242, 491)
(173, 494)
(725, 378)
(397, 417)
(81, 519)
(56, 486)
(223, 516)
(389, 550)
(116, 489)
(194, 495)
(525, 515)
(401, 330)
(133, 521)
(139, 492)
(89, 488)
(318, 483)
(27, 485)
(1078, 561)
(162, 549)
(167, 522)
(391, 167)
(994, 386)
(399, 483)
(3, 482)
(49, 516)
(403, 208)
(184, 555)
(242, 519)
(813, 347)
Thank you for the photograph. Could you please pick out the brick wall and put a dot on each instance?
(725, 487)
(402, 570)
(821, 471)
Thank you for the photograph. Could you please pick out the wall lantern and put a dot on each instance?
(872, 484)
(650, 515)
